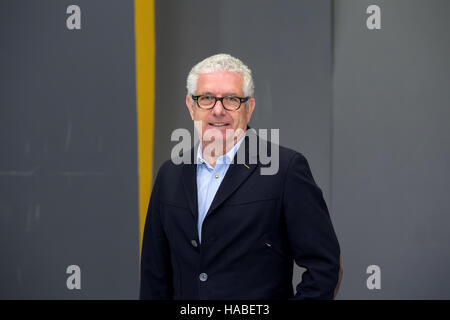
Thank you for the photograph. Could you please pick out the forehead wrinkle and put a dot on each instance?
(226, 94)
(210, 90)
(224, 81)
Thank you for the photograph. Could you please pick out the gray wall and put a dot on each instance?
(68, 165)
(391, 148)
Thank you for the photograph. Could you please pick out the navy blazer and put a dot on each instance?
(256, 227)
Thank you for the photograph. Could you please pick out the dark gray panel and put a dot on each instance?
(391, 148)
(68, 165)
(186, 32)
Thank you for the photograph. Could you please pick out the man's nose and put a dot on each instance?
(218, 108)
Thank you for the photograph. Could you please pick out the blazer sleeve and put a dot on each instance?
(310, 232)
(156, 267)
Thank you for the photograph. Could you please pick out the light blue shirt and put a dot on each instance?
(209, 180)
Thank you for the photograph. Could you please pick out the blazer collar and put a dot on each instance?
(236, 174)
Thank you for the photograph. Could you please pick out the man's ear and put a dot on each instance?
(190, 106)
(250, 107)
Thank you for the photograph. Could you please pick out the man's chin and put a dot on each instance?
(220, 141)
(212, 130)
(223, 135)
(226, 131)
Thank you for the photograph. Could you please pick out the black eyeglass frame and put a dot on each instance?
(242, 100)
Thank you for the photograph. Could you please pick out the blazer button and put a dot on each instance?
(194, 243)
(203, 276)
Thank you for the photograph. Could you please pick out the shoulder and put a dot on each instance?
(168, 171)
(295, 164)
(276, 161)
(171, 171)
(297, 171)
(287, 157)
(288, 154)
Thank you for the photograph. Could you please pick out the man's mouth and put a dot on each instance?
(218, 124)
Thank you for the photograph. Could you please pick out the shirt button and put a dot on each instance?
(216, 176)
(203, 276)
(194, 243)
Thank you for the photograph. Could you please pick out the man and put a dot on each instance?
(219, 229)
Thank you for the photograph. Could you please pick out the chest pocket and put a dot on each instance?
(242, 200)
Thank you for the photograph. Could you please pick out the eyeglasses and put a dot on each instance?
(208, 102)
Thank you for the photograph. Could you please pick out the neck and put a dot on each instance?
(212, 150)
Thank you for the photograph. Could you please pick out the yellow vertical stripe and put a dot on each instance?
(144, 22)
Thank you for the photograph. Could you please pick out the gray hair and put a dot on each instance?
(221, 62)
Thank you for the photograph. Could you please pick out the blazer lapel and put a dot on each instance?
(237, 173)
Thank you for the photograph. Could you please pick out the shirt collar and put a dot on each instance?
(226, 159)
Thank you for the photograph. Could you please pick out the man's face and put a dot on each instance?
(220, 84)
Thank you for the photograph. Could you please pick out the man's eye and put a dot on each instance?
(207, 98)
(232, 99)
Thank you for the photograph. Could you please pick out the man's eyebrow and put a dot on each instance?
(207, 93)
